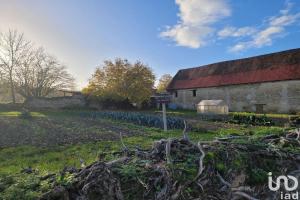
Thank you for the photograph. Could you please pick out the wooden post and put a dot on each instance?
(162, 99)
(164, 116)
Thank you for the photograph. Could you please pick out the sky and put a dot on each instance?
(167, 35)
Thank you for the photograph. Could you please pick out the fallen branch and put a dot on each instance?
(125, 149)
(167, 174)
(223, 180)
(294, 134)
(243, 194)
(185, 135)
(168, 150)
(143, 184)
(201, 168)
(118, 161)
(232, 137)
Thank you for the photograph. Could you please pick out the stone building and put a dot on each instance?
(269, 83)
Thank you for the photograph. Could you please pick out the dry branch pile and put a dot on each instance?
(181, 169)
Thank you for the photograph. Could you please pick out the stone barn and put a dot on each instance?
(267, 83)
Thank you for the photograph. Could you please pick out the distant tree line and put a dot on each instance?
(28, 70)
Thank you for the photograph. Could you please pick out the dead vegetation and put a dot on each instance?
(180, 169)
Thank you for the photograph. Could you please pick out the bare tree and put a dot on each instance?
(25, 74)
(41, 74)
(29, 71)
(1, 74)
(13, 49)
(51, 76)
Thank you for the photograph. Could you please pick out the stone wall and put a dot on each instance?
(55, 102)
(279, 97)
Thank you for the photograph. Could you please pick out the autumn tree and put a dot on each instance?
(164, 82)
(139, 83)
(120, 80)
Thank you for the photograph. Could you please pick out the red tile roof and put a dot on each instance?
(278, 66)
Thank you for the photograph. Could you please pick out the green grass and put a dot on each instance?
(12, 160)
(18, 114)
(46, 113)
(47, 160)
(53, 159)
(271, 115)
(255, 131)
(193, 113)
(180, 112)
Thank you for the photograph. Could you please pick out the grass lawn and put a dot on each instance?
(50, 141)
(53, 140)
(55, 157)
(271, 115)
(18, 113)
(193, 113)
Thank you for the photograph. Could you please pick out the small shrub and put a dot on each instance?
(23, 187)
(210, 156)
(65, 179)
(252, 120)
(5, 182)
(257, 176)
(220, 167)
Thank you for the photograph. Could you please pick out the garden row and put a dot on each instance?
(136, 118)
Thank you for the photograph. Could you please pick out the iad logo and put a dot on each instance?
(285, 182)
(288, 187)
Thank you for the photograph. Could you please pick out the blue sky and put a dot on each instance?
(165, 34)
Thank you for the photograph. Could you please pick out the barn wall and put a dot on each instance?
(279, 97)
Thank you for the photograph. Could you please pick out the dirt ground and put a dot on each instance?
(58, 131)
(212, 126)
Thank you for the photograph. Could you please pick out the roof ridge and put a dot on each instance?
(245, 58)
(284, 65)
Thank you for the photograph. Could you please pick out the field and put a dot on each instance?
(40, 145)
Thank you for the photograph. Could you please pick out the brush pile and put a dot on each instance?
(180, 169)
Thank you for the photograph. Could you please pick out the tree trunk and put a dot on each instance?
(12, 89)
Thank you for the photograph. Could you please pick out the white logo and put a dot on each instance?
(285, 180)
(287, 186)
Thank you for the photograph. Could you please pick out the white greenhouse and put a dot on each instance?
(212, 107)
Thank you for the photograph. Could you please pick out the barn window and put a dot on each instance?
(194, 93)
(176, 94)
